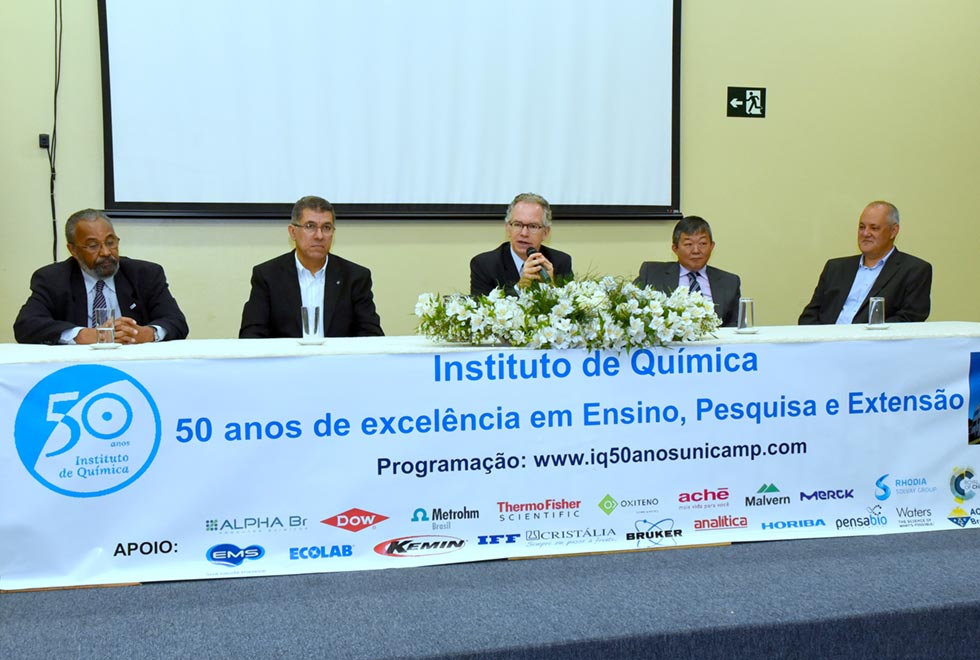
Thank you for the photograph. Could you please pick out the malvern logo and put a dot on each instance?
(354, 520)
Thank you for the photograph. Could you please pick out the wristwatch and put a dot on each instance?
(156, 333)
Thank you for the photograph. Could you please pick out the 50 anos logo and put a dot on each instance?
(87, 431)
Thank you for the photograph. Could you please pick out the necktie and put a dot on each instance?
(98, 300)
(693, 286)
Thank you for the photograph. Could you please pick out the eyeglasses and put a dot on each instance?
(533, 227)
(311, 228)
(110, 243)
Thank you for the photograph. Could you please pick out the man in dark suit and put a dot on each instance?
(692, 243)
(527, 223)
(846, 283)
(310, 277)
(63, 294)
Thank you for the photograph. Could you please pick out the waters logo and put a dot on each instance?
(228, 554)
(87, 431)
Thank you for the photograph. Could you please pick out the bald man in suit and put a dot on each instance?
(847, 283)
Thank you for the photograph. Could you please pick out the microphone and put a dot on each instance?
(545, 277)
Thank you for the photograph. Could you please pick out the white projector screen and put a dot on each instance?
(391, 108)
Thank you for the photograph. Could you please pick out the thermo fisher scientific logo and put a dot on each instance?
(87, 431)
(544, 510)
(354, 520)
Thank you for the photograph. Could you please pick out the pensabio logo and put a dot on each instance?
(228, 554)
(354, 520)
(87, 431)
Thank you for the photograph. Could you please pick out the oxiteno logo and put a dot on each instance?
(87, 430)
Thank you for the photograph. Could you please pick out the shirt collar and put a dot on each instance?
(881, 262)
(91, 280)
(300, 268)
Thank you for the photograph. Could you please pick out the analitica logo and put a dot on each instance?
(608, 504)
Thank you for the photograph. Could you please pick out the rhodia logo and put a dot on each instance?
(354, 520)
(228, 554)
(704, 496)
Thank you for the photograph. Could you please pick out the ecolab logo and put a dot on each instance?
(354, 520)
(228, 554)
(419, 546)
(720, 495)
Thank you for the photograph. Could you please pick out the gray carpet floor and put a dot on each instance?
(896, 596)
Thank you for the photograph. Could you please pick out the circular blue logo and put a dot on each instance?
(87, 430)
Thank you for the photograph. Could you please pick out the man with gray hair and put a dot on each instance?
(521, 259)
(846, 283)
(64, 294)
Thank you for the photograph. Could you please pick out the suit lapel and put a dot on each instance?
(332, 282)
(507, 263)
(79, 303)
(887, 272)
(126, 296)
(289, 291)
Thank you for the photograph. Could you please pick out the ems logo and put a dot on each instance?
(354, 520)
(419, 546)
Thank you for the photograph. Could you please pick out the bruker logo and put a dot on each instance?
(354, 520)
(419, 546)
(229, 554)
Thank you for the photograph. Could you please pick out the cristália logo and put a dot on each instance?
(87, 430)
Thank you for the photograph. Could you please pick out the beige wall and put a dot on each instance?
(867, 99)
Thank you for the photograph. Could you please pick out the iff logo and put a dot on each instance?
(87, 431)
(608, 504)
(882, 490)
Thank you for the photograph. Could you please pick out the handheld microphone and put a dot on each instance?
(545, 277)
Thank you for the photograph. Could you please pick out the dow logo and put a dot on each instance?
(354, 520)
(229, 554)
(87, 430)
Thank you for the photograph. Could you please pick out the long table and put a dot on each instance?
(225, 458)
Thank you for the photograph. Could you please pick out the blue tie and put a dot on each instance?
(98, 300)
(693, 286)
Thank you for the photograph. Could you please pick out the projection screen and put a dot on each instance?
(391, 109)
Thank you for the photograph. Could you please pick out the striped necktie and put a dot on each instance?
(693, 286)
(99, 299)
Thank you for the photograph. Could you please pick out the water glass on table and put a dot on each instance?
(105, 325)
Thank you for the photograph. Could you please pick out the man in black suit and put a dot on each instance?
(527, 223)
(846, 283)
(311, 277)
(59, 309)
(692, 243)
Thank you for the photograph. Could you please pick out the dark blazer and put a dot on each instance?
(488, 270)
(726, 288)
(58, 301)
(904, 282)
(273, 306)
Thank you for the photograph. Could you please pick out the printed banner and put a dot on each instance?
(186, 469)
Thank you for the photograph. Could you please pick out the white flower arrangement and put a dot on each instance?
(607, 313)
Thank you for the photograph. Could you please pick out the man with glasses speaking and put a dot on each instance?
(522, 259)
(310, 277)
(64, 294)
